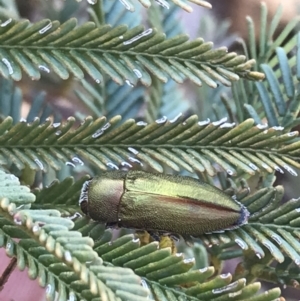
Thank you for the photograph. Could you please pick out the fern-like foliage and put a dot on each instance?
(129, 4)
(277, 98)
(69, 265)
(11, 99)
(180, 143)
(109, 98)
(66, 49)
(135, 72)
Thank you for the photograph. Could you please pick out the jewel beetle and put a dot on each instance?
(160, 203)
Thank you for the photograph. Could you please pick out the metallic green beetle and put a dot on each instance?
(160, 203)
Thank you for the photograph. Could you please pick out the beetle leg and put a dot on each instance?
(188, 240)
(173, 236)
(245, 189)
(111, 225)
(154, 235)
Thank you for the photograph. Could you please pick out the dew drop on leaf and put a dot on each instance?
(46, 28)
(8, 65)
(112, 165)
(137, 72)
(137, 37)
(161, 120)
(70, 164)
(124, 163)
(141, 123)
(44, 68)
(6, 22)
(39, 164)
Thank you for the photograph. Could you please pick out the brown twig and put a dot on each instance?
(9, 269)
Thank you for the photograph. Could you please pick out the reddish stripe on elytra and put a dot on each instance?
(205, 204)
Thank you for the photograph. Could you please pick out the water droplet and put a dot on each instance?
(203, 270)
(265, 166)
(297, 210)
(97, 134)
(56, 124)
(230, 172)
(277, 238)
(112, 165)
(46, 28)
(224, 276)
(267, 245)
(124, 163)
(70, 164)
(291, 134)
(77, 160)
(92, 2)
(58, 133)
(141, 123)
(39, 164)
(68, 256)
(137, 37)
(277, 168)
(163, 3)
(133, 150)
(189, 260)
(241, 244)
(121, 37)
(136, 240)
(297, 262)
(204, 122)
(36, 228)
(6, 22)
(290, 170)
(259, 255)
(138, 73)
(253, 166)
(98, 81)
(161, 120)
(101, 131)
(8, 65)
(278, 128)
(134, 160)
(262, 126)
(126, 4)
(227, 125)
(129, 83)
(225, 288)
(216, 123)
(44, 68)
(176, 118)
(23, 120)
